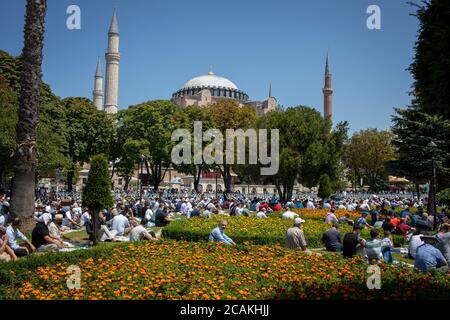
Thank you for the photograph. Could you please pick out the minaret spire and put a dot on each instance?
(327, 92)
(270, 90)
(98, 87)
(112, 67)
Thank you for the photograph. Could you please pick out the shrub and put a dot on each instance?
(187, 270)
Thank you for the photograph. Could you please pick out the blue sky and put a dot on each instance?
(164, 43)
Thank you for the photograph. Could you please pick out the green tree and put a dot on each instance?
(367, 154)
(25, 156)
(308, 148)
(189, 115)
(97, 193)
(431, 65)
(51, 129)
(228, 114)
(324, 187)
(413, 131)
(88, 132)
(152, 122)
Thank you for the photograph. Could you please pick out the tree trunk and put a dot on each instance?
(70, 175)
(197, 175)
(96, 226)
(22, 201)
(418, 190)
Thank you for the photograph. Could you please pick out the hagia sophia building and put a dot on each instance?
(200, 91)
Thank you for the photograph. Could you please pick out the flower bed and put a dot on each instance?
(187, 270)
(254, 230)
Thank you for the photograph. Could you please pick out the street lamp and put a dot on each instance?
(433, 147)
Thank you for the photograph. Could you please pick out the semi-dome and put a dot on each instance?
(210, 80)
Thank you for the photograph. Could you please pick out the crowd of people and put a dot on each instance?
(134, 215)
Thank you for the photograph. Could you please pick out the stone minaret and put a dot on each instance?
(98, 87)
(327, 93)
(112, 67)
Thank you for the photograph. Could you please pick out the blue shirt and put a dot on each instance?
(14, 235)
(428, 257)
(217, 235)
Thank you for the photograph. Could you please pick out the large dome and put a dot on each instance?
(209, 80)
(219, 88)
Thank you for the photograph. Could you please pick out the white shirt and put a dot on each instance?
(2, 220)
(414, 243)
(138, 233)
(261, 214)
(289, 215)
(119, 223)
(310, 205)
(67, 218)
(85, 217)
(149, 214)
(13, 236)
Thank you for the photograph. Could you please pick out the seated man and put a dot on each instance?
(162, 217)
(331, 217)
(218, 234)
(332, 238)
(362, 221)
(351, 242)
(261, 214)
(120, 223)
(402, 228)
(414, 242)
(373, 246)
(55, 232)
(40, 237)
(289, 215)
(6, 253)
(140, 233)
(428, 257)
(14, 234)
(295, 238)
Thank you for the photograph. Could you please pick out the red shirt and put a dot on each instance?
(402, 229)
(277, 207)
(395, 221)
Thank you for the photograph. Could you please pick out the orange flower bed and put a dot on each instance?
(186, 270)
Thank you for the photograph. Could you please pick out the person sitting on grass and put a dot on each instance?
(373, 246)
(295, 238)
(331, 217)
(402, 228)
(262, 214)
(40, 237)
(443, 241)
(289, 215)
(6, 253)
(386, 247)
(218, 234)
(332, 238)
(14, 234)
(362, 222)
(351, 241)
(428, 257)
(346, 219)
(120, 223)
(414, 242)
(140, 233)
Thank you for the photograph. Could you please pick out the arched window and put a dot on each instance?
(209, 188)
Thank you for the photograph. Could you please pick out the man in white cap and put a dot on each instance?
(295, 238)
